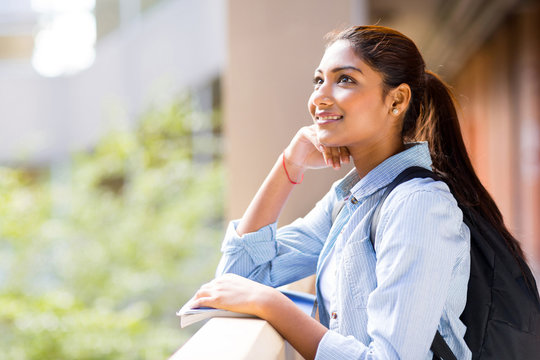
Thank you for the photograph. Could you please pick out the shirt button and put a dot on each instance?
(334, 315)
(354, 201)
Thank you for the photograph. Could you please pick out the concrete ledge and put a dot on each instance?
(235, 339)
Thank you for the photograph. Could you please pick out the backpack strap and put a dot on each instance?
(406, 175)
(439, 347)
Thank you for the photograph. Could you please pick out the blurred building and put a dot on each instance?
(146, 52)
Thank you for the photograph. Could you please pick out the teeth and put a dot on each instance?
(329, 117)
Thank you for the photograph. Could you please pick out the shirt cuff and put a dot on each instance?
(334, 346)
(260, 245)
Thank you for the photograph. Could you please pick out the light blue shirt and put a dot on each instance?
(388, 301)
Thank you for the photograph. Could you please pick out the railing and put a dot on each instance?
(241, 338)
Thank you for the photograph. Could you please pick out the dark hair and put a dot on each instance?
(430, 116)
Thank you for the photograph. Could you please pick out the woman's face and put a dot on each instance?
(347, 105)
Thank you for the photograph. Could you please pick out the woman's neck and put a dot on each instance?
(366, 159)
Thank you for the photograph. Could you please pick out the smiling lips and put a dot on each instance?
(324, 119)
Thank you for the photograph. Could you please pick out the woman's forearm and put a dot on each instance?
(304, 152)
(267, 204)
(302, 331)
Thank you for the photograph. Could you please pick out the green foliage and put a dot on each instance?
(97, 255)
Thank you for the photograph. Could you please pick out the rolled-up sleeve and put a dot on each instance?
(257, 247)
(278, 256)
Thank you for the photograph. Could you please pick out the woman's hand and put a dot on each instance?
(235, 293)
(306, 152)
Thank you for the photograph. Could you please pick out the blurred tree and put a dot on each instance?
(95, 264)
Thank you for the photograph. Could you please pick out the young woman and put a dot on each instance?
(373, 103)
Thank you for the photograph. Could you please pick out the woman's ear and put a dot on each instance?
(399, 97)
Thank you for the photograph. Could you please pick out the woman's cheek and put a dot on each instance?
(311, 107)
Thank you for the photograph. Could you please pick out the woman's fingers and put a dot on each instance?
(203, 301)
(230, 292)
(203, 292)
(324, 153)
(210, 294)
(335, 156)
(345, 155)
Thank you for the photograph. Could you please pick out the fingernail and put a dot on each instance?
(321, 148)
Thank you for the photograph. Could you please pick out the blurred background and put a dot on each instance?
(131, 131)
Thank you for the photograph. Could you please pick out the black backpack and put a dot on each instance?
(502, 313)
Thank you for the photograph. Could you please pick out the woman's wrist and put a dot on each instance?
(270, 303)
(293, 159)
(293, 171)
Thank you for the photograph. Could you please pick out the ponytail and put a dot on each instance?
(438, 124)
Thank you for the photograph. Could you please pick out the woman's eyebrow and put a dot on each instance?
(341, 68)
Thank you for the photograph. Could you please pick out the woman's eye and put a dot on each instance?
(317, 81)
(346, 79)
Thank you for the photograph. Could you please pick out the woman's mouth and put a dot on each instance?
(327, 119)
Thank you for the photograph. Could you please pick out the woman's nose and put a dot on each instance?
(322, 96)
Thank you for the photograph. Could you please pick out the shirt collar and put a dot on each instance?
(416, 154)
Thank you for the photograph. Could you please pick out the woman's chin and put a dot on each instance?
(330, 144)
(328, 141)
(325, 138)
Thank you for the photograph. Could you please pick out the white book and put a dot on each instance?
(189, 316)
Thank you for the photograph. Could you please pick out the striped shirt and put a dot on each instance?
(387, 302)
